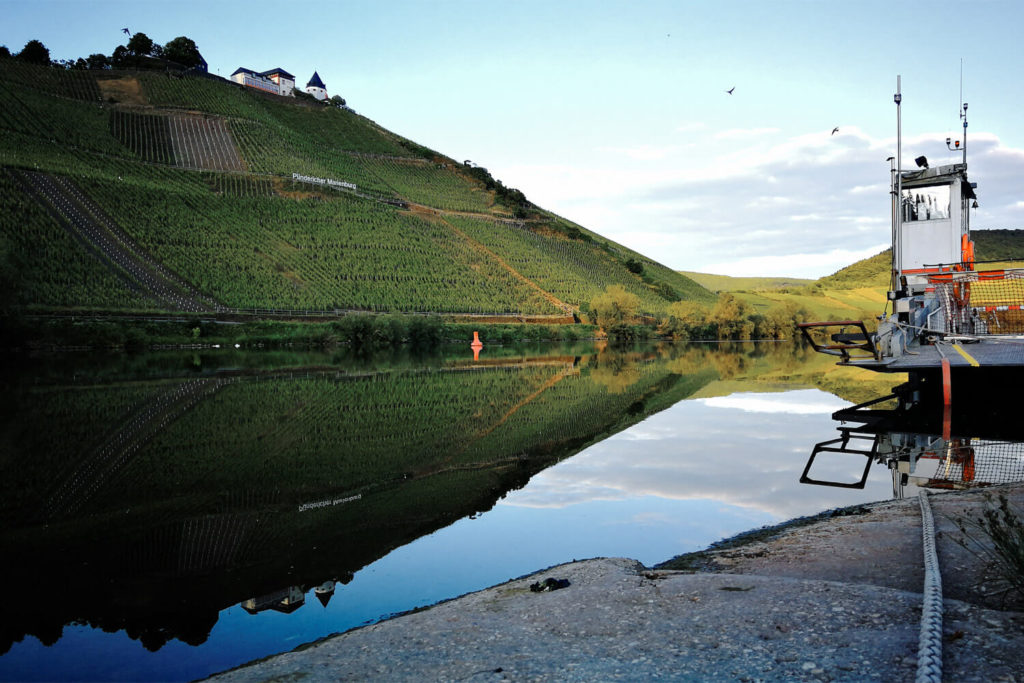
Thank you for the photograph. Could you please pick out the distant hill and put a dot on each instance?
(143, 191)
(727, 283)
(992, 245)
(869, 272)
(989, 245)
(857, 291)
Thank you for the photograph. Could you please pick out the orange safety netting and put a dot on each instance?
(985, 302)
(974, 462)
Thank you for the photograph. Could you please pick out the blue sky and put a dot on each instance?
(615, 114)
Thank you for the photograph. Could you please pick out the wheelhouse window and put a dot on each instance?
(925, 203)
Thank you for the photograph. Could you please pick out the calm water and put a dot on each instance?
(167, 516)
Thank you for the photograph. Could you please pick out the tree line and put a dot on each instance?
(139, 52)
(616, 311)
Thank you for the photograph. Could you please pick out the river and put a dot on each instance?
(172, 514)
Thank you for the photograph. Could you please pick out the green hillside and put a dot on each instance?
(727, 283)
(857, 291)
(1001, 246)
(147, 191)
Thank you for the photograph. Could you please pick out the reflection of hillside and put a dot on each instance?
(100, 460)
(276, 481)
(782, 367)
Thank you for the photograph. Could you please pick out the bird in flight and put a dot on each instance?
(731, 89)
(126, 31)
(835, 130)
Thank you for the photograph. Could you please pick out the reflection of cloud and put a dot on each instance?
(796, 402)
(746, 450)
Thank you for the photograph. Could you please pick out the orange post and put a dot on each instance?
(946, 383)
(476, 345)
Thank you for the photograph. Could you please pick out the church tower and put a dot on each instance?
(316, 87)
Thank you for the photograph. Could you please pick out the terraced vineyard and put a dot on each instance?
(251, 201)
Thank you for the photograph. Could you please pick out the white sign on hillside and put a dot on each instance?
(323, 181)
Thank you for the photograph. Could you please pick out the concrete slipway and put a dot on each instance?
(836, 599)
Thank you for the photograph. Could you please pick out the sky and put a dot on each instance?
(616, 116)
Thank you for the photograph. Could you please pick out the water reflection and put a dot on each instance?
(180, 498)
(923, 444)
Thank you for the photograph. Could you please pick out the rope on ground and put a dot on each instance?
(929, 647)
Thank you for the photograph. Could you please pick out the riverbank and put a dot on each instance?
(836, 598)
(365, 331)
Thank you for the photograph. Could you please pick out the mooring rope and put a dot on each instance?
(929, 646)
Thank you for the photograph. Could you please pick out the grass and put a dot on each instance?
(997, 537)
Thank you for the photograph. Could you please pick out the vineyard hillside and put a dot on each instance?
(125, 191)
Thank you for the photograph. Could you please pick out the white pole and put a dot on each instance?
(897, 247)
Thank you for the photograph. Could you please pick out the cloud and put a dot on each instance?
(749, 202)
(643, 152)
(805, 265)
(740, 133)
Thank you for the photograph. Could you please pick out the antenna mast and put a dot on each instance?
(963, 117)
(897, 216)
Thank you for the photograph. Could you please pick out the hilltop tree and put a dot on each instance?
(120, 56)
(182, 50)
(97, 61)
(35, 52)
(140, 45)
(4, 52)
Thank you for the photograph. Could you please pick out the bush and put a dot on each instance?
(615, 307)
(424, 331)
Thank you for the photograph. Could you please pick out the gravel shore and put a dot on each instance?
(834, 599)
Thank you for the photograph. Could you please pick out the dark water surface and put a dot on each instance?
(170, 515)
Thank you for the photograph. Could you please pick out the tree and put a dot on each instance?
(686, 320)
(730, 316)
(4, 52)
(182, 50)
(120, 56)
(97, 61)
(615, 307)
(338, 101)
(780, 320)
(140, 45)
(35, 52)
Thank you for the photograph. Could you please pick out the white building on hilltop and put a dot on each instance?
(316, 87)
(284, 80)
(276, 81)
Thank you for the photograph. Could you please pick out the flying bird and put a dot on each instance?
(126, 31)
(835, 130)
(731, 89)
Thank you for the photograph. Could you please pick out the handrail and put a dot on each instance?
(862, 341)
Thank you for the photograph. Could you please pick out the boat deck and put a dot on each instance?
(985, 354)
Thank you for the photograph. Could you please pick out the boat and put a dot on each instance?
(947, 321)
